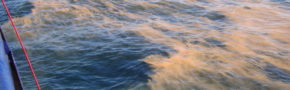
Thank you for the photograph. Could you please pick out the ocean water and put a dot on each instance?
(153, 44)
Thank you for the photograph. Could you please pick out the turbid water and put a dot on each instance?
(153, 44)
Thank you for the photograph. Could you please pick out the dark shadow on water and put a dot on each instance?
(277, 74)
(101, 63)
(169, 8)
(17, 8)
(210, 43)
(215, 42)
(284, 4)
(215, 16)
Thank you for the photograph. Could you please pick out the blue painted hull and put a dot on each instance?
(9, 78)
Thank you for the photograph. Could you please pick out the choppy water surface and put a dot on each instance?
(153, 44)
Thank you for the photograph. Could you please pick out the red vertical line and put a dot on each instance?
(22, 45)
